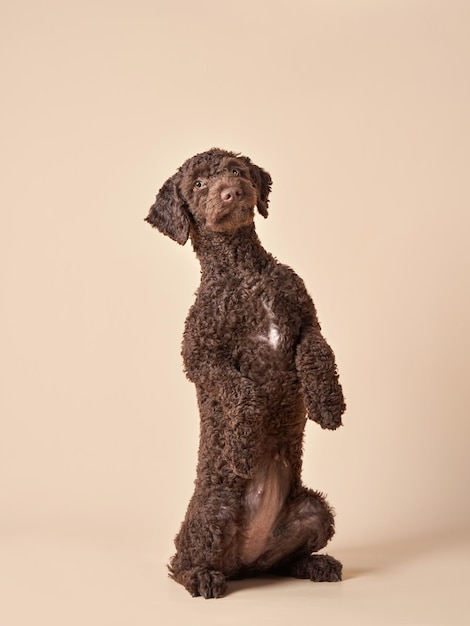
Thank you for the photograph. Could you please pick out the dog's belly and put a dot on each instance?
(264, 498)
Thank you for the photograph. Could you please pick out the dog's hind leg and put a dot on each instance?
(197, 574)
(304, 526)
(198, 580)
(206, 547)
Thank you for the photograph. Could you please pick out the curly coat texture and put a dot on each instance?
(254, 350)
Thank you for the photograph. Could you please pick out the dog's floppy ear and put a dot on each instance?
(263, 182)
(168, 213)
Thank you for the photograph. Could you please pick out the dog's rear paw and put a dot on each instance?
(205, 582)
(323, 568)
(320, 568)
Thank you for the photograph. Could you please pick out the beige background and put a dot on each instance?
(360, 112)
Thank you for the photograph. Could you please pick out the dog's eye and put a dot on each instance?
(199, 184)
(235, 172)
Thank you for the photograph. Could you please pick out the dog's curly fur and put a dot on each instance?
(254, 350)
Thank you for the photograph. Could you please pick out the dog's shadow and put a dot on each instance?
(362, 560)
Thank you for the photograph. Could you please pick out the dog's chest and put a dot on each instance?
(266, 327)
(261, 323)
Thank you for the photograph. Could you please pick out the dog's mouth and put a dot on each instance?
(230, 219)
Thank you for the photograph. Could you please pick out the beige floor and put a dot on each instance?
(96, 579)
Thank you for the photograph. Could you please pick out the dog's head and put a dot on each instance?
(215, 191)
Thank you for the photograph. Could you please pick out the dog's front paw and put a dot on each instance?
(330, 420)
(330, 406)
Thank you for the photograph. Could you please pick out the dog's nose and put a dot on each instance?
(228, 194)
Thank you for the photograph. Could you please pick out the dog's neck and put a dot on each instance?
(224, 254)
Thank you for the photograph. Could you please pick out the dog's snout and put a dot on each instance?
(229, 194)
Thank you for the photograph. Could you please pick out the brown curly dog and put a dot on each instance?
(254, 349)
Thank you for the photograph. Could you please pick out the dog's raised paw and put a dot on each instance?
(330, 420)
